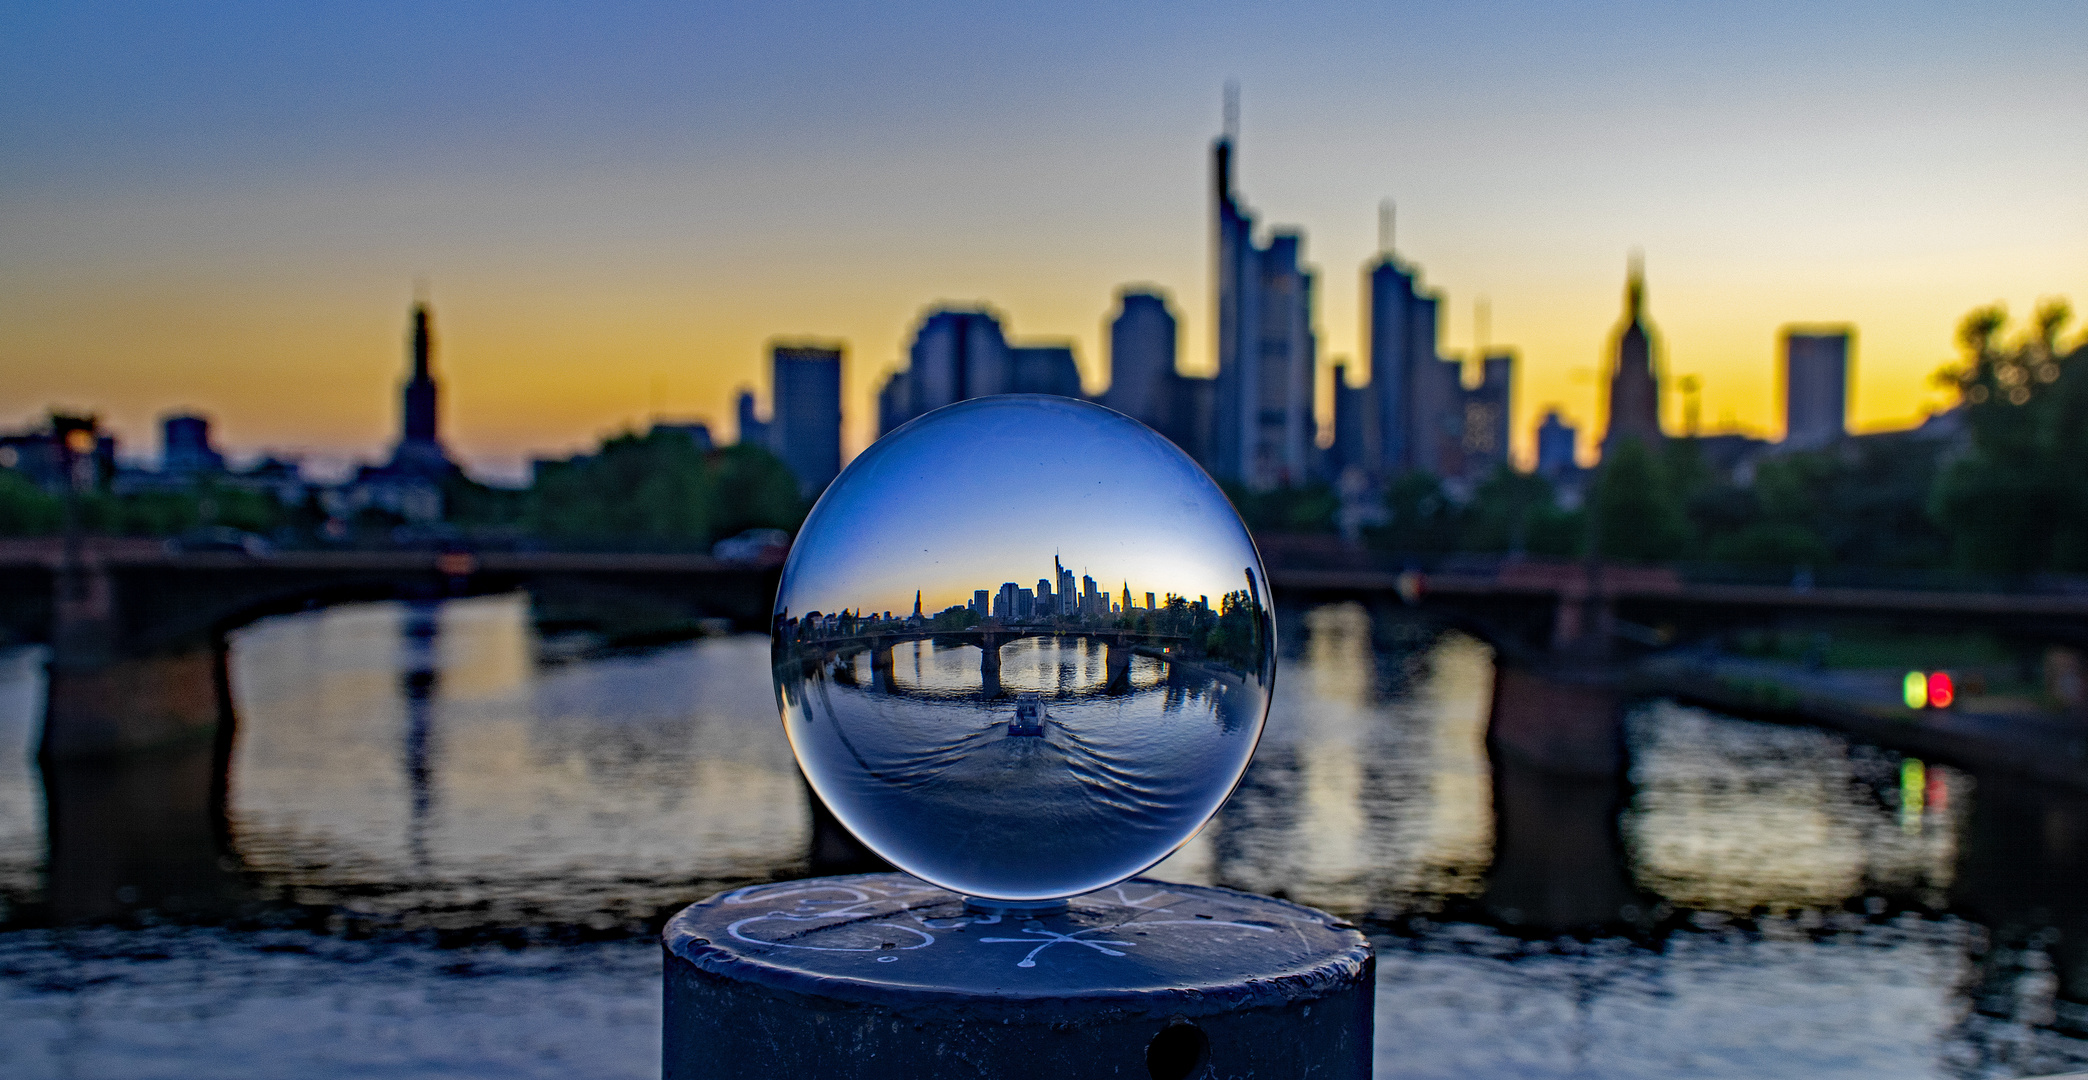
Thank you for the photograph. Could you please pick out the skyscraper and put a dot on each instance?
(957, 354)
(1417, 394)
(185, 446)
(1042, 369)
(1355, 426)
(1484, 445)
(1634, 398)
(1555, 446)
(1263, 433)
(1142, 350)
(806, 413)
(1816, 386)
(419, 450)
(753, 430)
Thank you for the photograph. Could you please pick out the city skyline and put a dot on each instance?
(1084, 584)
(996, 483)
(232, 231)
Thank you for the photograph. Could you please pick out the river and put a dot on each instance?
(451, 840)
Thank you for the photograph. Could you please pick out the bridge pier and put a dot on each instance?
(105, 699)
(1559, 861)
(139, 832)
(989, 665)
(1117, 663)
(1566, 719)
(881, 667)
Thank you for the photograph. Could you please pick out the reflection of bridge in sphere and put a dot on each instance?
(1120, 646)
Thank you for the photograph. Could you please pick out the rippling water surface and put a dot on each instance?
(449, 842)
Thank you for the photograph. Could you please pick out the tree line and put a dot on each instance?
(2009, 494)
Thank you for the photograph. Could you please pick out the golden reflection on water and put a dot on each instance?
(1371, 788)
(496, 776)
(1730, 816)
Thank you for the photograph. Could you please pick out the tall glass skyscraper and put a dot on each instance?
(805, 413)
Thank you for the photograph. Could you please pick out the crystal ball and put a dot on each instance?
(1023, 648)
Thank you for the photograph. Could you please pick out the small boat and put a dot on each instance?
(1029, 716)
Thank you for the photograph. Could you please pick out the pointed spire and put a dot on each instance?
(1635, 286)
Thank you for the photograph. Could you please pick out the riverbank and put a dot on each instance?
(2014, 733)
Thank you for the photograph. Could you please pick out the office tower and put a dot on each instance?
(1634, 399)
(957, 354)
(1047, 603)
(1068, 598)
(753, 431)
(1419, 396)
(1092, 600)
(419, 450)
(980, 602)
(1816, 386)
(1025, 604)
(1042, 369)
(185, 446)
(1555, 445)
(1484, 446)
(1355, 426)
(1149, 601)
(1142, 350)
(1005, 602)
(1262, 435)
(893, 402)
(805, 413)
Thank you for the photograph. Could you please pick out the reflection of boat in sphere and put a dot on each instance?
(1029, 716)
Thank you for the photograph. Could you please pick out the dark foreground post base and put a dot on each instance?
(881, 975)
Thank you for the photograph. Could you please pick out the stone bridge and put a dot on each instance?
(137, 631)
(988, 638)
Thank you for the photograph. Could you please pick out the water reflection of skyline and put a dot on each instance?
(575, 794)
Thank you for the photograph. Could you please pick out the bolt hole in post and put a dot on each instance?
(1178, 1052)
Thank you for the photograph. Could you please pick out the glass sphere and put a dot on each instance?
(1023, 648)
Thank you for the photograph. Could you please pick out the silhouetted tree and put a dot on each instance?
(1419, 517)
(1639, 511)
(2019, 500)
(1519, 513)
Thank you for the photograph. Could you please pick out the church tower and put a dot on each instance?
(420, 444)
(1634, 402)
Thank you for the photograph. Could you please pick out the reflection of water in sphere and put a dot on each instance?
(1022, 647)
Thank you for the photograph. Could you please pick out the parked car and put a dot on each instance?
(220, 538)
(755, 547)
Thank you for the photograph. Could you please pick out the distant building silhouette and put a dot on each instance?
(185, 448)
(419, 451)
(1483, 433)
(1634, 398)
(1420, 417)
(695, 431)
(1142, 352)
(410, 484)
(1555, 446)
(753, 430)
(1355, 426)
(1263, 434)
(962, 353)
(1042, 369)
(1816, 387)
(806, 413)
(71, 450)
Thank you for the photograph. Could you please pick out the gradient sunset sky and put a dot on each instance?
(615, 207)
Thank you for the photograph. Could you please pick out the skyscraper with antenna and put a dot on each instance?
(1263, 431)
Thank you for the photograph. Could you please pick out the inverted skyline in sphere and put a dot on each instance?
(1083, 678)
